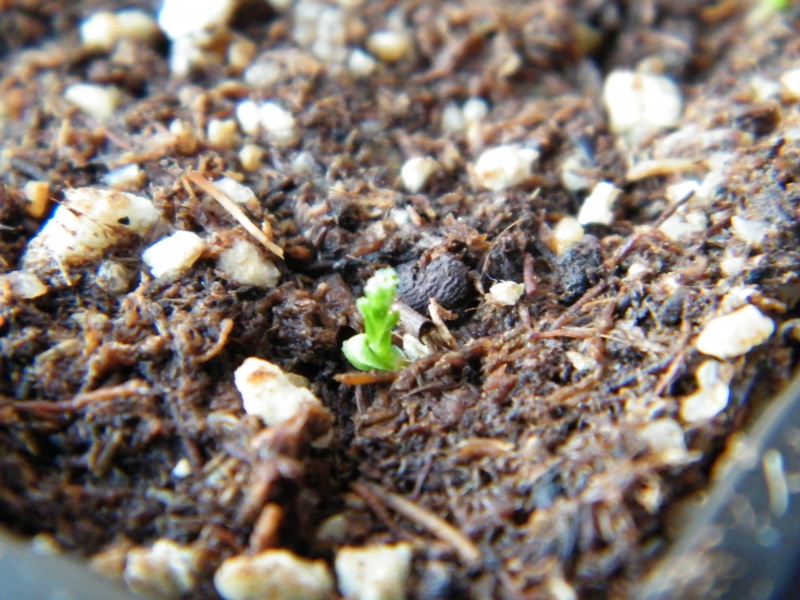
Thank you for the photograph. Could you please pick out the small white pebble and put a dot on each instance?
(262, 73)
(100, 31)
(185, 54)
(683, 224)
(304, 163)
(243, 263)
(273, 575)
(279, 124)
(37, 193)
(580, 361)
(416, 171)
(566, 232)
(361, 64)
(413, 348)
(182, 469)
(504, 166)
(240, 53)
(247, 116)
(113, 277)
(250, 156)
(665, 439)
(374, 572)
(736, 297)
(735, 334)
(574, 172)
(452, 119)
(389, 46)
(181, 18)
(268, 392)
(752, 232)
(239, 193)
(598, 207)
(506, 293)
(24, 284)
(174, 254)
(475, 110)
(135, 24)
(97, 101)
(222, 133)
(330, 42)
(639, 102)
(166, 569)
(711, 397)
(764, 88)
(123, 175)
(790, 81)
(638, 269)
(678, 191)
(732, 265)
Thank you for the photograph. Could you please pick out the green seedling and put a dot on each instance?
(373, 349)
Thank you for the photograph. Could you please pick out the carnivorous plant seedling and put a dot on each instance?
(373, 349)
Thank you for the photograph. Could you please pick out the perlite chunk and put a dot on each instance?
(243, 263)
(174, 254)
(735, 334)
(273, 575)
(269, 393)
(87, 222)
(377, 572)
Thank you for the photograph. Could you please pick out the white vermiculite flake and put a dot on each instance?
(174, 254)
(598, 207)
(416, 171)
(735, 334)
(504, 166)
(374, 572)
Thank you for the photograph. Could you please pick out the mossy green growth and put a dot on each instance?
(373, 349)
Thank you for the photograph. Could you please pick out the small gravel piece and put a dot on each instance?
(123, 175)
(247, 115)
(113, 277)
(279, 124)
(269, 393)
(684, 224)
(735, 334)
(250, 156)
(24, 284)
(598, 207)
(38, 195)
(100, 31)
(711, 397)
(506, 293)
(181, 18)
(244, 264)
(374, 572)
(222, 133)
(389, 46)
(273, 575)
(241, 194)
(165, 569)
(566, 232)
(504, 166)
(174, 254)
(416, 171)
(790, 81)
(361, 64)
(665, 439)
(97, 101)
(750, 231)
(640, 102)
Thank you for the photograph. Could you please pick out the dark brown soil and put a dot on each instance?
(536, 463)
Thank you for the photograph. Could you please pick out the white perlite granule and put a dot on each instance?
(735, 334)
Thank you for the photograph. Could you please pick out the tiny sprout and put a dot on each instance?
(373, 349)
